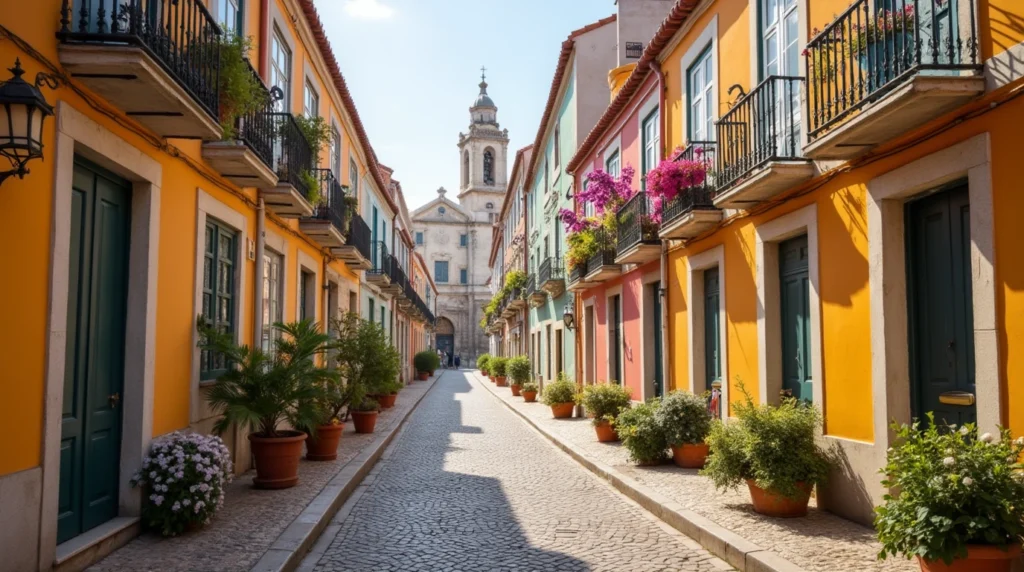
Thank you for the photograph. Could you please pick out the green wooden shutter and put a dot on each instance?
(218, 290)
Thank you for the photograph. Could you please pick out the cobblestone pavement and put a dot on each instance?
(251, 519)
(468, 486)
(821, 542)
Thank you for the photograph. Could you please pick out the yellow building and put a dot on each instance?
(863, 181)
(138, 218)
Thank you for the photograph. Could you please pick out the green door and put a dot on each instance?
(794, 286)
(659, 375)
(940, 304)
(712, 328)
(94, 371)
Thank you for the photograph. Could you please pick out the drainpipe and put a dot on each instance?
(325, 290)
(663, 286)
(264, 36)
(261, 241)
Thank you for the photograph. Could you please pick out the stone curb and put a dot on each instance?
(716, 539)
(287, 552)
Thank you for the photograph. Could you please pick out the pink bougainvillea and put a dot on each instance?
(605, 191)
(670, 178)
(575, 223)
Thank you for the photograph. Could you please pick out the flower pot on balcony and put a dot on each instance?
(365, 421)
(324, 447)
(771, 503)
(562, 410)
(515, 389)
(881, 60)
(605, 432)
(690, 456)
(530, 396)
(980, 558)
(277, 459)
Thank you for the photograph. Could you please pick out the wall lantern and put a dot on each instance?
(568, 318)
(22, 113)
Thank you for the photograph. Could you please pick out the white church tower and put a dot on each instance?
(483, 154)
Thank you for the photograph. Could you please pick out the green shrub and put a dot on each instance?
(528, 387)
(955, 488)
(241, 91)
(605, 401)
(483, 362)
(365, 405)
(425, 360)
(773, 445)
(641, 434)
(518, 368)
(561, 391)
(364, 355)
(684, 418)
(496, 366)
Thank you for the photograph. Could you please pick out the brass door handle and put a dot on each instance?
(114, 399)
(956, 398)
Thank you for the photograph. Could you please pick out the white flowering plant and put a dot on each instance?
(955, 488)
(184, 474)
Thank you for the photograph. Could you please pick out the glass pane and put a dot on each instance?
(771, 12)
(771, 53)
(208, 273)
(792, 53)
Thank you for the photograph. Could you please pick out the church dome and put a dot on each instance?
(482, 99)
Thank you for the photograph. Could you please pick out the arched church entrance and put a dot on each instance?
(445, 335)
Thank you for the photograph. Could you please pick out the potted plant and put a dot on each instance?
(241, 91)
(317, 132)
(185, 474)
(518, 368)
(481, 364)
(772, 449)
(388, 393)
(685, 420)
(497, 365)
(605, 401)
(641, 434)
(882, 43)
(364, 414)
(325, 435)
(958, 498)
(561, 396)
(366, 359)
(529, 392)
(424, 362)
(261, 391)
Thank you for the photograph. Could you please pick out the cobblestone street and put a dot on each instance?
(468, 486)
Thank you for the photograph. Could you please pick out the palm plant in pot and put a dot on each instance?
(605, 401)
(424, 363)
(498, 365)
(685, 420)
(518, 369)
(367, 360)
(529, 392)
(958, 500)
(561, 396)
(641, 434)
(262, 391)
(482, 363)
(773, 449)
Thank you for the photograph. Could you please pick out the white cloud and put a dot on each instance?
(368, 9)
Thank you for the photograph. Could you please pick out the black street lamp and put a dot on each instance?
(568, 318)
(23, 109)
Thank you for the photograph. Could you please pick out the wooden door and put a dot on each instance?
(794, 285)
(712, 331)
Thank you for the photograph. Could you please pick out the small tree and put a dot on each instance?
(483, 362)
(364, 355)
(425, 361)
(497, 366)
(518, 368)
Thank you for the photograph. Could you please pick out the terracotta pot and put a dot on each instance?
(529, 396)
(484, 373)
(423, 375)
(690, 456)
(980, 558)
(605, 432)
(515, 389)
(324, 447)
(562, 410)
(364, 421)
(277, 459)
(386, 401)
(770, 503)
(490, 377)
(502, 381)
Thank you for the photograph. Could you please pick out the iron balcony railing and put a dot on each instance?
(531, 285)
(396, 273)
(258, 130)
(576, 273)
(180, 35)
(763, 126)
(293, 155)
(700, 196)
(601, 258)
(332, 199)
(551, 269)
(635, 223)
(380, 258)
(358, 235)
(875, 45)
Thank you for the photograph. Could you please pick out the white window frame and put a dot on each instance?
(281, 71)
(708, 37)
(310, 101)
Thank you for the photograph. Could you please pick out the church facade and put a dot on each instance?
(454, 236)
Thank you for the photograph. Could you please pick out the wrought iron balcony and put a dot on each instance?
(577, 275)
(602, 266)
(551, 276)
(396, 277)
(534, 296)
(356, 252)
(327, 224)
(759, 151)
(693, 211)
(517, 298)
(293, 163)
(380, 260)
(157, 61)
(637, 236)
(885, 67)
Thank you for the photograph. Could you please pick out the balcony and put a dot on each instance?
(577, 278)
(602, 266)
(636, 240)
(534, 296)
(293, 163)
(247, 160)
(551, 277)
(693, 211)
(759, 145)
(517, 301)
(507, 311)
(356, 252)
(396, 277)
(869, 84)
(328, 220)
(159, 62)
(381, 265)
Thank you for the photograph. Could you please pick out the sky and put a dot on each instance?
(413, 67)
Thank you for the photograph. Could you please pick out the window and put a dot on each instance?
(373, 309)
(614, 338)
(651, 142)
(441, 271)
(588, 207)
(490, 205)
(218, 290)
(307, 295)
(441, 210)
(463, 240)
(611, 166)
(546, 171)
(335, 152)
(699, 86)
(272, 286)
(558, 140)
(353, 178)
(465, 169)
(779, 38)
(229, 14)
(463, 276)
(489, 166)
(419, 238)
(311, 102)
(281, 69)
(383, 317)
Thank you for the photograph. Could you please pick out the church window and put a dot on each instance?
(419, 238)
(442, 210)
(488, 166)
(463, 239)
(441, 271)
(490, 205)
(465, 169)
(463, 276)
